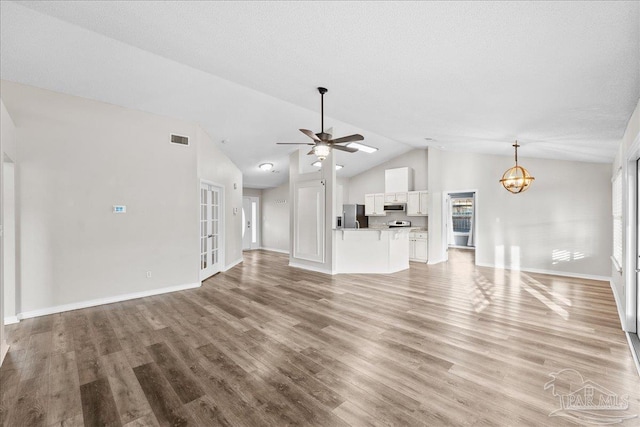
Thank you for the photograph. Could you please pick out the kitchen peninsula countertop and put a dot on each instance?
(371, 250)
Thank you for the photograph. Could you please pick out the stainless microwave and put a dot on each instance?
(394, 207)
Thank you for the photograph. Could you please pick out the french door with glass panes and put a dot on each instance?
(211, 229)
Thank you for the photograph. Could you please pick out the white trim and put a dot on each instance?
(233, 264)
(10, 320)
(443, 227)
(634, 355)
(617, 266)
(629, 278)
(618, 308)
(436, 261)
(106, 300)
(311, 268)
(549, 272)
(274, 250)
(4, 349)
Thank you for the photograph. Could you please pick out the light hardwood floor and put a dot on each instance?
(266, 344)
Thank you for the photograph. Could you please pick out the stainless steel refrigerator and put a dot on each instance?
(353, 217)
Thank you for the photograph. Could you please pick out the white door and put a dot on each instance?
(251, 225)
(211, 229)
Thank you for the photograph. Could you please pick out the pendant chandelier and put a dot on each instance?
(516, 179)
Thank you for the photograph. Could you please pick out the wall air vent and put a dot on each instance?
(179, 139)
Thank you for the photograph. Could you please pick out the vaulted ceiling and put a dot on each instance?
(563, 78)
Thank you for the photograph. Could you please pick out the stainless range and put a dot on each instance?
(398, 224)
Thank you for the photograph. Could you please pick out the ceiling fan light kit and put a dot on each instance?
(516, 179)
(322, 141)
(322, 151)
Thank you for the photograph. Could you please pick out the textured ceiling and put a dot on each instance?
(563, 78)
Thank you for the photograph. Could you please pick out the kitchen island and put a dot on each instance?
(371, 250)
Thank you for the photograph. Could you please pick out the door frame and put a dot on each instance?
(444, 231)
(223, 221)
(630, 245)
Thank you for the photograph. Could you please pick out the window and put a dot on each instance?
(462, 211)
(616, 193)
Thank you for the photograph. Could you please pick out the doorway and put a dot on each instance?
(211, 229)
(251, 223)
(461, 220)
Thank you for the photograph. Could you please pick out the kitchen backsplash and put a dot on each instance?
(416, 221)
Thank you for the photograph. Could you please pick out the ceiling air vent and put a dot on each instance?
(180, 140)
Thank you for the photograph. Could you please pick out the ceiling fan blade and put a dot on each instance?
(311, 152)
(295, 143)
(341, 148)
(350, 138)
(310, 134)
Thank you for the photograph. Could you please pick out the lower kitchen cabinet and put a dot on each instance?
(418, 247)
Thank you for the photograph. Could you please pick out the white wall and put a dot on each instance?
(9, 241)
(8, 148)
(561, 225)
(215, 167)
(275, 218)
(436, 239)
(251, 192)
(297, 174)
(623, 283)
(79, 157)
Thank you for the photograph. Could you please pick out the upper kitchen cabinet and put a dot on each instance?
(395, 197)
(398, 180)
(374, 204)
(417, 203)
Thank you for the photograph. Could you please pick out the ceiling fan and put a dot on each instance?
(323, 143)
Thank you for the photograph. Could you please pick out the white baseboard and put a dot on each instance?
(275, 250)
(619, 308)
(102, 301)
(10, 320)
(233, 264)
(310, 268)
(550, 272)
(4, 348)
(634, 355)
(435, 261)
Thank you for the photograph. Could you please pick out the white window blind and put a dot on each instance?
(616, 193)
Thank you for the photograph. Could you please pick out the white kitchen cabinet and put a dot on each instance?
(417, 203)
(374, 204)
(418, 245)
(395, 197)
(398, 180)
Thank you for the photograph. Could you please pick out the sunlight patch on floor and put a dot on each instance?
(543, 299)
